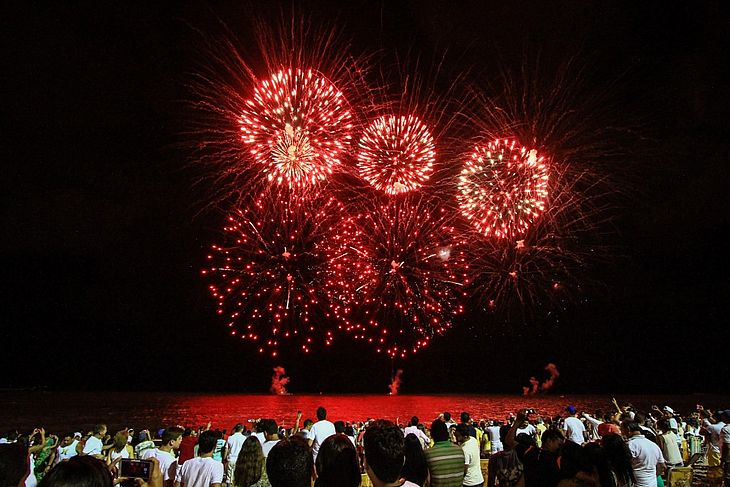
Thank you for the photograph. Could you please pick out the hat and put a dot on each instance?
(571, 409)
(668, 409)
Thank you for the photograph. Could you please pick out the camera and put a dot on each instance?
(529, 411)
(139, 469)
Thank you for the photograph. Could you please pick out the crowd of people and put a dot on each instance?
(616, 448)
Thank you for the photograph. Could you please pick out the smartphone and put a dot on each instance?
(140, 469)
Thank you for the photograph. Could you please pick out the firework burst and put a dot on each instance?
(503, 188)
(410, 282)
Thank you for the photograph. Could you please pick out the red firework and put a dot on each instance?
(296, 124)
(396, 154)
(503, 188)
(271, 274)
(409, 282)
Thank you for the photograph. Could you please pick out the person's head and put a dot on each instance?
(384, 452)
(619, 457)
(321, 413)
(78, 471)
(250, 463)
(172, 437)
(99, 430)
(337, 463)
(465, 417)
(67, 439)
(552, 440)
(339, 426)
(415, 468)
(630, 427)
(14, 465)
(290, 464)
(447, 417)
(308, 424)
(414, 421)
(461, 432)
(663, 425)
(271, 429)
(238, 428)
(595, 462)
(206, 442)
(187, 432)
(571, 410)
(439, 431)
(120, 440)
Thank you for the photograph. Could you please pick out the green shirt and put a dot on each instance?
(445, 464)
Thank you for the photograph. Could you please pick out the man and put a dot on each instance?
(94, 445)
(466, 419)
(290, 464)
(725, 449)
(68, 447)
(573, 427)
(494, 438)
(233, 447)
(271, 436)
(445, 460)
(165, 454)
(447, 419)
(201, 471)
(646, 457)
(384, 454)
(14, 465)
(542, 468)
(712, 429)
(470, 446)
(412, 428)
(320, 431)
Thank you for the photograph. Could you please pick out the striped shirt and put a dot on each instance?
(445, 464)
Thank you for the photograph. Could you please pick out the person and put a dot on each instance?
(271, 435)
(320, 431)
(712, 429)
(495, 440)
(306, 428)
(81, 470)
(466, 419)
(290, 463)
(415, 468)
(646, 457)
(337, 464)
(165, 454)
(67, 449)
(250, 467)
(14, 464)
(667, 442)
(541, 465)
(573, 427)
(94, 446)
(412, 428)
(445, 460)
(472, 466)
(187, 446)
(145, 443)
(220, 446)
(384, 454)
(201, 471)
(234, 445)
(619, 460)
(725, 448)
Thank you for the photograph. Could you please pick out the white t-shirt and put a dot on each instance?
(321, 430)
(645, 456)
(235, 443)
(168, 462)
(419, 434)
(473, 474)
(200, 472)
(66, 452)
(574, 429)
(267, 446)
(93, 446)
(725, 433)
(715, 439)
(529, 430)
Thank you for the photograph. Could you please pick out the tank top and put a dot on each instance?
(124, 453)
(670, 450)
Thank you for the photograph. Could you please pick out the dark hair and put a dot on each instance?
(238, 428)
(462, 429)
(321, 413)
(337, 463)
(595, 457)
(289, 463)
(78, 471)
(249, 464)
(571, 460)
(631, 426)
(307, 422)
(207, 441)
(171, 434)
(415, 469)
(465, 417)
(414, 421)
(552, 434)
(271, 428)
(339, 426)
(619, 457)
(384, 450)
(439, 431)
(98, 428)
(13, 463)
(447, 417)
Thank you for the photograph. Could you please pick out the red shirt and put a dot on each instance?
(187, 449)
(608, 428)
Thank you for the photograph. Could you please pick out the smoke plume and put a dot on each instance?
(535, 385)
(395, 384)
(278, 381)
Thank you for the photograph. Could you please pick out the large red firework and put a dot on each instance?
(411, 276)
(270, 277)
(296, 125)
(396, 154)
(503, 188)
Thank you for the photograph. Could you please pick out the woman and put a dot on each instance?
(337, 464)
(78, 471)
(415, 469)
(619, 460)
(120, 449)
(250, 468)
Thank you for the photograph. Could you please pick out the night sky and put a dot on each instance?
(103, 235)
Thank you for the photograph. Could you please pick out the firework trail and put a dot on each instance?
(395, 384)
(269, 277)
(410, 280)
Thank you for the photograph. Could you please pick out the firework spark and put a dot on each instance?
(396, 154)
(503, 188)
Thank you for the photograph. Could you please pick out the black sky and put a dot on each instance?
(102, 241)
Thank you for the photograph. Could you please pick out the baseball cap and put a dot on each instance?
(668, 409)
(571, 409)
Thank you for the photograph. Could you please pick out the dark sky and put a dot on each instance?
(102, 239)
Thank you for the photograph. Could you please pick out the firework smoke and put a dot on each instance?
(396, 383)
(535, 385)
(278, 381)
